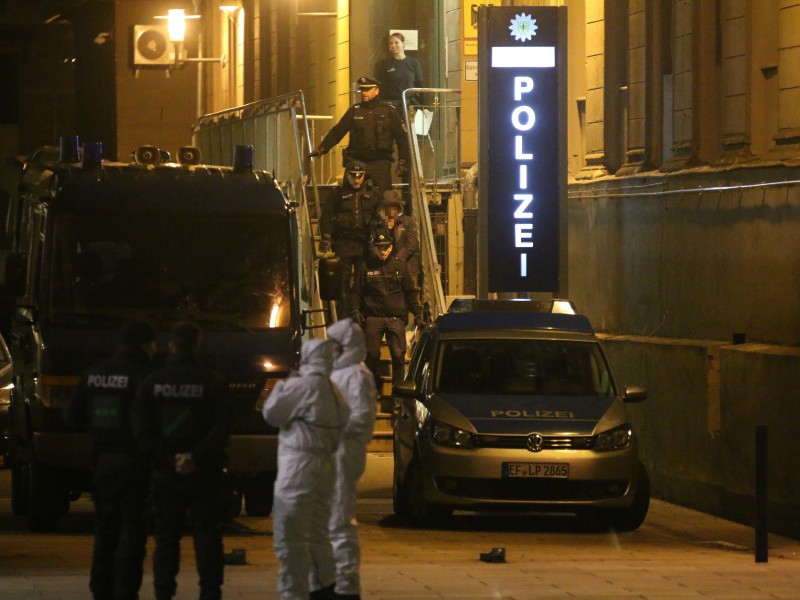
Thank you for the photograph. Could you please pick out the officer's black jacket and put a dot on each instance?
(384, 289)
(101, 402)
(183, 408)
(374, 127)
(349, 213)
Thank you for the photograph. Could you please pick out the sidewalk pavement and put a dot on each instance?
(677, 554)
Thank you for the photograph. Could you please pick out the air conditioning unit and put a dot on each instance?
(151, 45)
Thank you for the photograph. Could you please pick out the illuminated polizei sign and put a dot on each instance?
(522, 148)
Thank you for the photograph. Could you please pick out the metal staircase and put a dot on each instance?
(279, 129)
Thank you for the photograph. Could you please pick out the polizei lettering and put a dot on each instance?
(534, 414)
(117, 382)
(173, 390)
(523, 118)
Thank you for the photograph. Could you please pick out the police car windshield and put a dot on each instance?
(228, 272)
(523, 367)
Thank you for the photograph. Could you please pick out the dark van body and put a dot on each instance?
(87, 249)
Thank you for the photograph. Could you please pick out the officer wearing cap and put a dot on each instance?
(374, 127)
(383, 294)
(349, 213)
(101, 404)
(403, 229)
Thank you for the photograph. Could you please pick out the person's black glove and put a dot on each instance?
(402, 168)
(316, 153)
(419, 322)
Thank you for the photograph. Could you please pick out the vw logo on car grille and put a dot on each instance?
(535, 442)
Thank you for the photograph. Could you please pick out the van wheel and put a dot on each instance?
(259, 495)
(235, 507)
(412, 503)
(19, 489)
(47, 501)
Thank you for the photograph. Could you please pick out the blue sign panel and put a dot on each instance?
(522, 138)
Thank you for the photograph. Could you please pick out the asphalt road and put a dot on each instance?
(677, 553)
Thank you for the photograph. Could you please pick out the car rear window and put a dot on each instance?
(523, 367)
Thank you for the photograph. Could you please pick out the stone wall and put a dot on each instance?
(668, 268)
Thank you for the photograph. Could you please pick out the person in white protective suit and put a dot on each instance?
(311, 415)
(357, 384)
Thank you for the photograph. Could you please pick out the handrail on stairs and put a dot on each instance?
(432, 270)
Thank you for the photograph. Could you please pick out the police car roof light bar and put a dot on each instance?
(92, 155)
(68, 149)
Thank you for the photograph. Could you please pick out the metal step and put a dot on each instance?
(382, 435)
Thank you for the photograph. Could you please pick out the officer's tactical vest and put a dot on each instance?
(371, 130)
(352, 218)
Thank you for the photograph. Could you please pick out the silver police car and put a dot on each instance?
(512, 406)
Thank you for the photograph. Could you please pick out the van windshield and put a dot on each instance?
(224, 272)
(523, 367)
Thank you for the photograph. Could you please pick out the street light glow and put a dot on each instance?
(176, 24)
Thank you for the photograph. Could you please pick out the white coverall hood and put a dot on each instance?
(352, 341)
(316, 356)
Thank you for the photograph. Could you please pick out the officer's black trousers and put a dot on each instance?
(120, 496)
(198, 501)
(380, 171)
(349, 265)
(395, 330)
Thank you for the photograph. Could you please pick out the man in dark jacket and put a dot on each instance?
(382, 295)
(101, 404)
(403, 229)
(349, 214)
(182, 420)
(374, 127)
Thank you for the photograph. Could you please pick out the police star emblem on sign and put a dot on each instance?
(523, 27)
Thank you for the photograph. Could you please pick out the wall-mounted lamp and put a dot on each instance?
(176, 26)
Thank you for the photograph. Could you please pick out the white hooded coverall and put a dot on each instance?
(357, 384)
(311, 418)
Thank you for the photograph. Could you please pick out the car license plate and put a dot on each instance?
(546, 470)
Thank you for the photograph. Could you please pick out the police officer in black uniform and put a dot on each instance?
(374, 128)
(382, 295)
(350, 212)
(101, 403)
(182, 420)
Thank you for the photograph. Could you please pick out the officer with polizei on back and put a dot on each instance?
(350, 211)
(182, 420)
(383, 294)
(101, 403)
(374, 127)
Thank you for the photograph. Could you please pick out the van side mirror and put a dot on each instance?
(634, 393)
(16, 274)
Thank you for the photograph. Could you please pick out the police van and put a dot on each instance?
(511, 405)
(90, 244)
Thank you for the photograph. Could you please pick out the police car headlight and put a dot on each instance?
(446, 435)
(613, 439)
